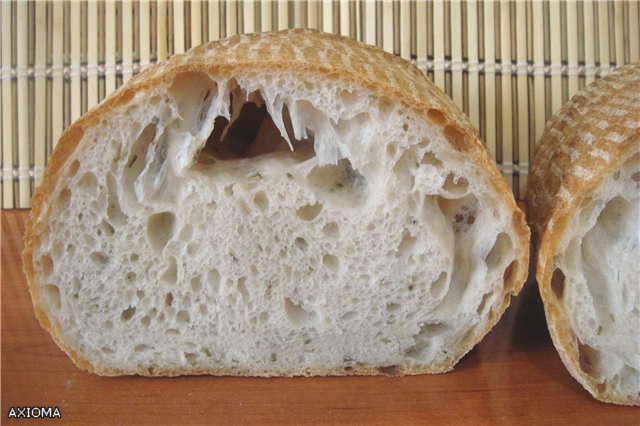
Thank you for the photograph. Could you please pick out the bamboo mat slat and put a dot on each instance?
(508, 65)
(455, 25)
(7, 109)
(489, 124)
(633, 15)
(40, 95)
(472, 88)
(519, 144)
(23, 107)
(438, 25)
(504, 145)
(127, 40)
(590, 37)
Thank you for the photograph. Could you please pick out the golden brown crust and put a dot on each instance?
(304, 52)
(585, 142)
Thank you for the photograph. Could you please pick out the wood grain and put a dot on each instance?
(513, 377)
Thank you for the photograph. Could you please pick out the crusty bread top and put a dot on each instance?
(584, 141)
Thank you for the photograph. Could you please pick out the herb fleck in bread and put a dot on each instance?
(291, 203)
(584, 202)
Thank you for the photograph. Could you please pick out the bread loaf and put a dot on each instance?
(290, 203)
(584, 203)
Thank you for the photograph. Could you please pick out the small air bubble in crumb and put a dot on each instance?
(261, 200)
(308, 212)
(331, 229)
(331, 262)
(301, 243)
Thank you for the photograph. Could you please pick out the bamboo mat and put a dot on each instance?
(508, 64)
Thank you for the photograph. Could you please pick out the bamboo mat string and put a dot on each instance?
(508, 65)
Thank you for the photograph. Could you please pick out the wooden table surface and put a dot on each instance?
(514, 376)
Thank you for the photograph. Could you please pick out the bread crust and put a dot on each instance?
(596, 131)
(305, 52)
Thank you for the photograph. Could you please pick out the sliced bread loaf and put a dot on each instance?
(291, 203)
(584, 203)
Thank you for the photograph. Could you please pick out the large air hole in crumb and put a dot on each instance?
(46, 265)
(386, 107)
(501, 249)
(168, 299)
(339, 183)
(430, 159)
(588, 358)
(73, 168)
(423, 338)
(557, 283)
(483, 304)
(192, 93)
(76, 284)
(170, 275)
(438, 286)
(213, 279)
(114, 211)
(160, 229)
(461, 212)
(297, 315)
(88, 183)
(57, 249)
(407, 243)
(63, 200)
(309, 212)
(106, 229)
(349, 316)
(250, 132)
(196, 284)
(191, 358)
(141, 348)
(261, 200)
(456, 185)
(331, 229)
(203, 310)
(52, 293)
(457, 138)
(99, 258)
(128, 313)
(436, 116)
(242, 289)
(433, 329)
(301, 243)
(331, 262)
(137, 156)
(393, 307)
(509, 275)
(350, 98)
(182, 318)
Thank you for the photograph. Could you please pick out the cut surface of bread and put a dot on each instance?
(289, 203)
(584, 200)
